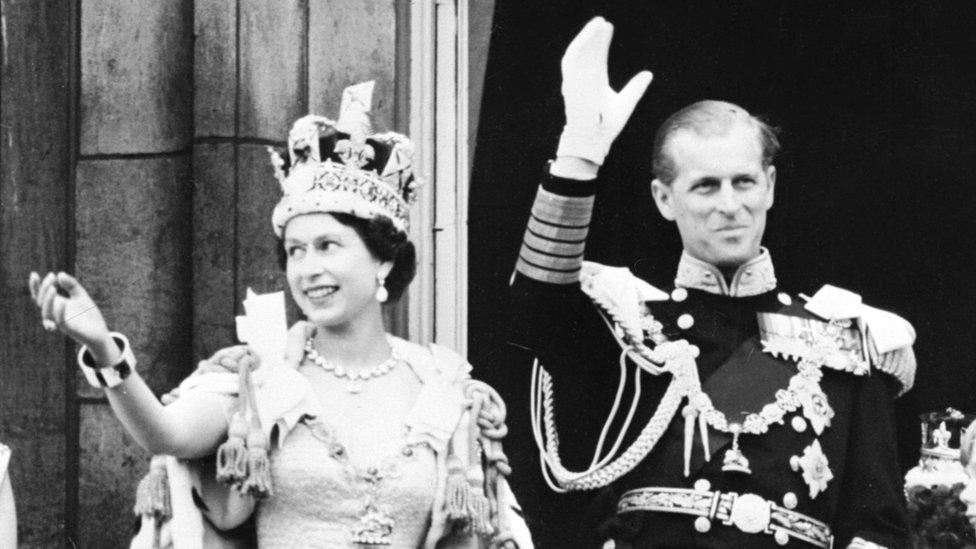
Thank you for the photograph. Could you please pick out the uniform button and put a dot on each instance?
(789, 500)
(785, 298)
(799, 424)
(694, 350)
(781, 537)
(702, 524)
(679, 294)
(702, 485)
(686, 321)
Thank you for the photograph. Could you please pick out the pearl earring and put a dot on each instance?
(381, 293)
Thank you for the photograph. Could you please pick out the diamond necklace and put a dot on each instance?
(357, 378)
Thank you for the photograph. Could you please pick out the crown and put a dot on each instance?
(939, 463)
(942, 432)
(340, 167)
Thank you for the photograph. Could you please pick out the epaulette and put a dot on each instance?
(620, 294)
(887, 337)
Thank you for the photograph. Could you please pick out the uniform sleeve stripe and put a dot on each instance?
(564, 236)
(551, 269)
(552, 249)
(560, 240)
(522, 259)
(557, 233)
(552, 254)
(560, 225)
(549, 262)
(545, 276)
(563, 206)
(563, 213)
(555, 248)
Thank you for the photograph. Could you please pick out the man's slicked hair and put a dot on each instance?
(709, 118)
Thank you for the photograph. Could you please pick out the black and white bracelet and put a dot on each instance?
(109, 376)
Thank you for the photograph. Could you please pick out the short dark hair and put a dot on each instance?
(385, 242)
(709, 118)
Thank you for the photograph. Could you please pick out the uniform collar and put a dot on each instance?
(754, 277)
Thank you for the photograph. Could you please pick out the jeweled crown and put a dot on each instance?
(939, 464)
(340, 167)
(942, 432)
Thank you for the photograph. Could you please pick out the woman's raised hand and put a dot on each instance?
(66, 306)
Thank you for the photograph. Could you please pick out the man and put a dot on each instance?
(756, 420)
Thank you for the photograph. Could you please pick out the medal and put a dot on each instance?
(734, 460)
(815, 468)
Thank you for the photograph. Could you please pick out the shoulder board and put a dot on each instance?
(833, 303)
(887, 330)
(620, 293)
(887, 336)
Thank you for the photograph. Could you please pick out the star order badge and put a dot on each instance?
(816, 468)
(816, 408)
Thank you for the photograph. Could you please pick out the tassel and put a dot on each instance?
(480, 512)
(157, 534)
(478, 506)
(690, 414)
(258, 481)
(152, 496)
(232, 455)
(458, 491)
(703, 428)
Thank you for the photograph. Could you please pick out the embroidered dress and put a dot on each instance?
(321, 494)
(399, 489)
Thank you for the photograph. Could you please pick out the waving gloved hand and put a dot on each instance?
(595, 114)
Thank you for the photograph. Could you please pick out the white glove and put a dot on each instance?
(595, 113)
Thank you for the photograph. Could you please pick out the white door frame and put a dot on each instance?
(438, 301)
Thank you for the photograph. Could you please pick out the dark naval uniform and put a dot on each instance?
(814, 466)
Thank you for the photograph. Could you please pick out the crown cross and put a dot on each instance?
(941, 436)
(364, 174)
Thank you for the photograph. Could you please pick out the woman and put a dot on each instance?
(967, 448)
(8, 513)
(360, 438)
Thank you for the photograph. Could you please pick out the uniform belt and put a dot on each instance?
(749, 513)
